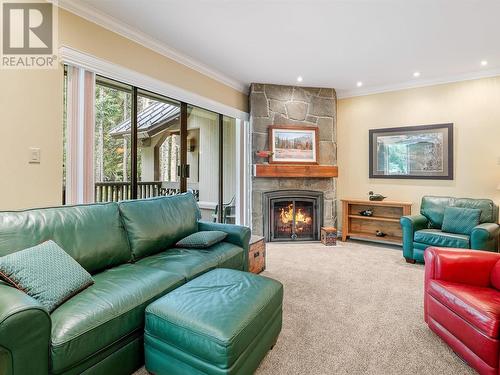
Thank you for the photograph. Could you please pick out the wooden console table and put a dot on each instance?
(386, 215)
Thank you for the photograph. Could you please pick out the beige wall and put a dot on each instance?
(32, 111)
(31, 106)
(473, 107)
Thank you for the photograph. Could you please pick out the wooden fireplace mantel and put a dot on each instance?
(295, 170)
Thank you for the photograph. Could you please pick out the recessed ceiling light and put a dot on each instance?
(484, 63)
(359, 84)
(300, 79)
(416, 74)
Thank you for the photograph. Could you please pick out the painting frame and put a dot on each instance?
(311, 158)
(445, 159)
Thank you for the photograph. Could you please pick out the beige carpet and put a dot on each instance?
(352, 309)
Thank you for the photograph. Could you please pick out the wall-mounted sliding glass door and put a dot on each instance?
(230, 177)
(203, 159)
(147, 145)
(158, 145)
(112, 141)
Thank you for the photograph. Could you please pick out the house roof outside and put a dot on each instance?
(150, 121)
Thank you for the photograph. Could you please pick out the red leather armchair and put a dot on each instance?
(462, 303)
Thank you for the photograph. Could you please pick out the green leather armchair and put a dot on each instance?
(424, 230)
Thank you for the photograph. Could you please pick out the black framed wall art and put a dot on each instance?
(423, 152)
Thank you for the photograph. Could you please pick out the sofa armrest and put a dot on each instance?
(464, 266)
(25, 328)
(236, 234)
(470, 267)
(409, 225)
(485, 237)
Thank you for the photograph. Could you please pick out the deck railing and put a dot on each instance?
(117, 191)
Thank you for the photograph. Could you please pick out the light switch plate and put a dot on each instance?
(34, 156)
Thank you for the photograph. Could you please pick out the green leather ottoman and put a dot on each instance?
(223, 322)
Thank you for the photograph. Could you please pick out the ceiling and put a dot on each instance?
(380, 43)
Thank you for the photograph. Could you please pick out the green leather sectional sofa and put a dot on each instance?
(127, 247)
(424, 230)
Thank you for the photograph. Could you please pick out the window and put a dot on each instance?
(144, 145)
(112, 141)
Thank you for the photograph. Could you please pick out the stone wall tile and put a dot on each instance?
(320, 184)
(277, 106)
(259, 142)
(312, 90)
(279, 119)
(257, 225)
(321, 106)
(266, 184)
(292, 183)
(257, 202)
(297, 110)
(312, 119)
(325, 125)
(326, 93)
(278, 92)
(302, 94)
(261, 124)
(326, 152)
(258, 105)
(257, 87)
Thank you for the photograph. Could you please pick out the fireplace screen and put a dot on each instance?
(293, 220)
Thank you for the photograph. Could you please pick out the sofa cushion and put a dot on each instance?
(92, 234)
(46, 273)
(433, 209)
(460, 220)
(187, 262)
(479, 306)
(106, 312)
(202, 239)
(489, 211)
(193, 262)
(435, 237)
(155, 224)
(228, 255)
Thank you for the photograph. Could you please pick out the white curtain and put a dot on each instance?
(80, 116)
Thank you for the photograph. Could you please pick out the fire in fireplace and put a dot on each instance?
(293, 220)
(292, 215)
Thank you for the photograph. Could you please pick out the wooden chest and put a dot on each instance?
(257, 254)
(329, 236)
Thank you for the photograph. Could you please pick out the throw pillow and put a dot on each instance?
(45, 272)
(202, 239)
(460, 220)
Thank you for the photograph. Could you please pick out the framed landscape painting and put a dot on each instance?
(424, 152)
(293, 144)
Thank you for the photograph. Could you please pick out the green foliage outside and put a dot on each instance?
(111, 107)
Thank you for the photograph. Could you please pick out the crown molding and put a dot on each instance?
(119, 73)
(416, 83)
(109, 22)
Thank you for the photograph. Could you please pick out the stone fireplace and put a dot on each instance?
(293, 208)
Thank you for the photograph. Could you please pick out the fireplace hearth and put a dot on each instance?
(292, 215)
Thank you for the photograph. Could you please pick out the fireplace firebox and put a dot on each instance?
(292, 215)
